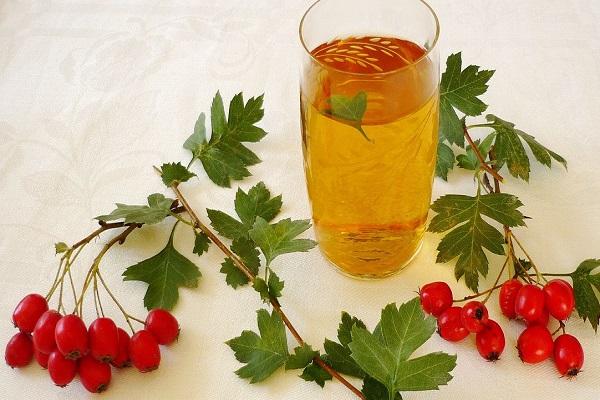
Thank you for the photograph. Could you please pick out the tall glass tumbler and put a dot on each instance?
(370, 110)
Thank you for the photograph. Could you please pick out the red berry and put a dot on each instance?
(436, 297)
(560, 299)
(530, 303)
(542, 320)
(43, 333)
(41, 358)
(144, 351)
(95, 375)
(163, 325)
(450, 326)
(490, 341)
(535, 344)
(104, 339)
(19, 350)
(62, 370)
(28, 311)
(122, 358)
(71, 337)
(568, 355)
(474, 316)
(507, 297)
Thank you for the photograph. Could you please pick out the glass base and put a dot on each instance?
(371, 277)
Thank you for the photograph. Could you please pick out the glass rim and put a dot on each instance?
(326, 66)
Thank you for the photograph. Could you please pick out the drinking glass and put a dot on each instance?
(370, 109)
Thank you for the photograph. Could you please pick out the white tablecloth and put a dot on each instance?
(93, 93)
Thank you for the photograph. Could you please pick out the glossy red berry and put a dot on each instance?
(474, 316)
(436, 297)
(28, 311)
(163, 325)
(62, 370)
(490, 341)
(144, 351)
(104, 339)
(568, 355)
(95, 375)
(19, 350)
(71, 337)
(122, 358)
(542, 320)
(43, 333)
(507, 297)
(560, 299)
(450, 326)
(41, 358)
(535, 344)
(530, 303)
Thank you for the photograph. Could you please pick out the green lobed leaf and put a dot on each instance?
(197, 140)
(587, 300)
(280, 238)
(225, 157)
(445, 160)
(460, 89)
(383, 354)
(175, 173)
(248, 206)
(509, 149)
(468, 240)
(164, 273)
(257, 202)
(201, 243)
(262, 353)
(158, 208)
(314, 373)
(350, 110)
(303, 355)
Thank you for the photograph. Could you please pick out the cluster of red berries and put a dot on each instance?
(528, 302)
(455, 323)
(64, 345)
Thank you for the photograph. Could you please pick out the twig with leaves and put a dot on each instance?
(467, 233)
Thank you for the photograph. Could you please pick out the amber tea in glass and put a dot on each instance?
(369, 105)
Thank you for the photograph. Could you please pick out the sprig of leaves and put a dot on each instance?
(224, 157)
(467, 234)
(381, 359)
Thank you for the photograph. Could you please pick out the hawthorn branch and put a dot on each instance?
(250, 275)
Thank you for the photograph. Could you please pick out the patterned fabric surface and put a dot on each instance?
(95, 92)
